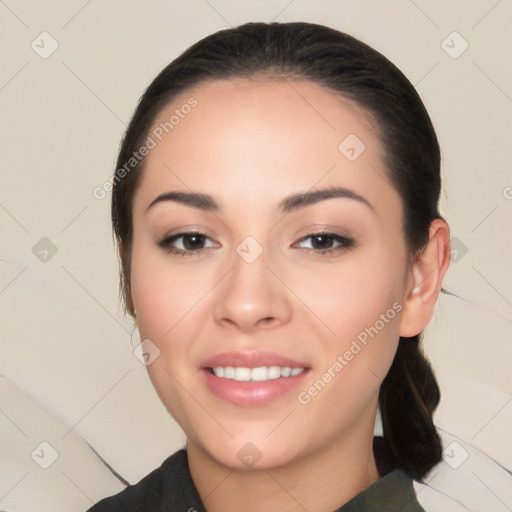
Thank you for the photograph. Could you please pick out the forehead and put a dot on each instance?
(249, 139)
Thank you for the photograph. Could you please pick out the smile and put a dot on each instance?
(262, 373)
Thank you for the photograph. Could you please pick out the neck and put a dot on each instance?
(321, 481)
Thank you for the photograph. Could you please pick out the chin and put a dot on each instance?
(243, 454)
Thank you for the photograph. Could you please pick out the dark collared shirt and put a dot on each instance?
(170, 488)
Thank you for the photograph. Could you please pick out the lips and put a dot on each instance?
(252, 360)
(281, 376)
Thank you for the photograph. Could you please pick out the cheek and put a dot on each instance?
(172, 301)
(161, 292)
(348, 296)
(358, 310)
(365, 318)
(166, 300)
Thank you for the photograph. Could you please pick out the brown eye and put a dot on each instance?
(187, 243)
(323, 243)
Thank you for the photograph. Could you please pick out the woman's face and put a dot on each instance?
(257, 288)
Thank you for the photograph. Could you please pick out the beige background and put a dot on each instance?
(64, 339)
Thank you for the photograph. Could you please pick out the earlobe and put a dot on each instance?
(426, 278)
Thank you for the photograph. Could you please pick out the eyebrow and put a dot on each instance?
(287, 205)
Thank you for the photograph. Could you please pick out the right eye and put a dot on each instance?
(191, 243)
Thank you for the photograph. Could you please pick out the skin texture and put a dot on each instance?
(250, 143)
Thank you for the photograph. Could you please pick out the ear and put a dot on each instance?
(425, 280)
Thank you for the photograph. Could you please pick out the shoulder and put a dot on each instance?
(147, 494)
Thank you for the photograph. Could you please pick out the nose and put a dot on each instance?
(252, 297)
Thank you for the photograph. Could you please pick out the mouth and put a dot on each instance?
(259, 374)
(252, 379)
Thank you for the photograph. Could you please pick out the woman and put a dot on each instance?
(275, 206)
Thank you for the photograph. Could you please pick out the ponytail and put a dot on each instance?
(408, 396)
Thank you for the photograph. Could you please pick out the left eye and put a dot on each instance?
(323, 242)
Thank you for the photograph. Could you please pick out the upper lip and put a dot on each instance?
(251, 360)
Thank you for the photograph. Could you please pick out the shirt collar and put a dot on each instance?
(390, 493)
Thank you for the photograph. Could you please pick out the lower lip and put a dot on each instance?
(251, 394)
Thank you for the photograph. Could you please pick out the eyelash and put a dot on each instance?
(165, 243)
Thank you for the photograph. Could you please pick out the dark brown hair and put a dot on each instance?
(409, 393)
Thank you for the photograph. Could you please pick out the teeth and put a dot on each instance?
(255, 374)
(242, 374)
(286, 371)
(273, 372)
